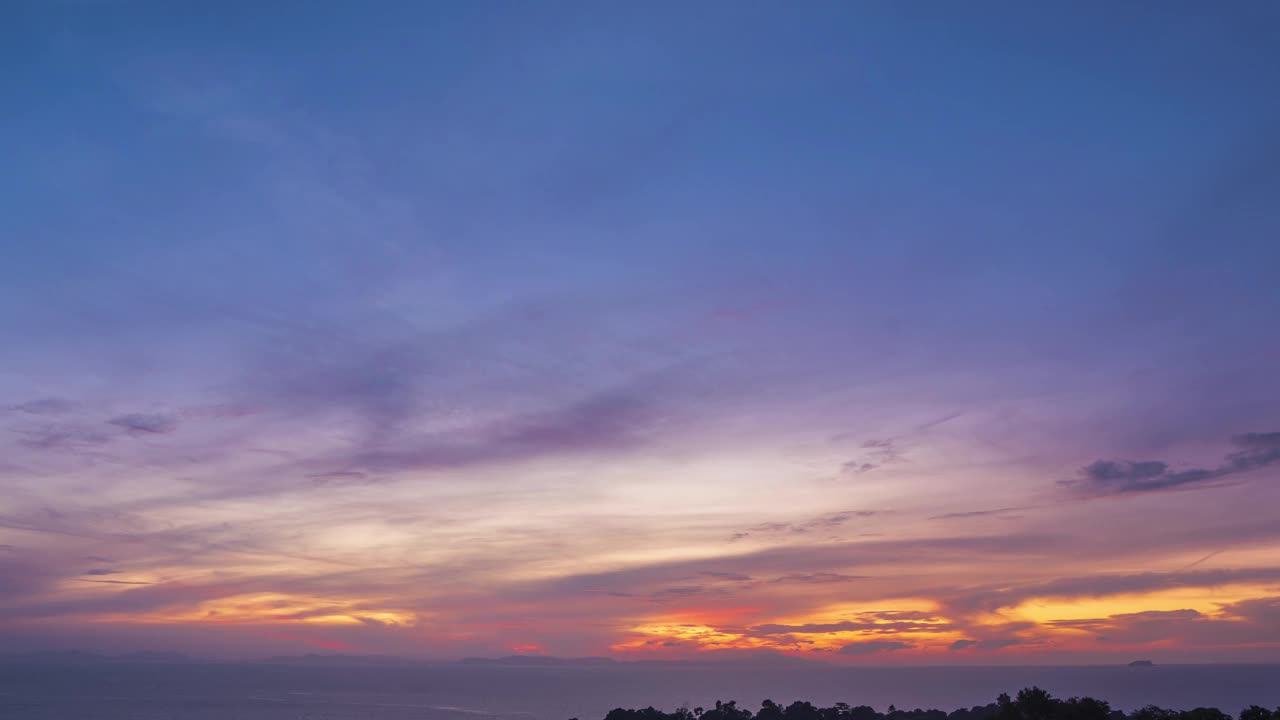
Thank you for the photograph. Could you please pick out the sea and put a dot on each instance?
(228, 691)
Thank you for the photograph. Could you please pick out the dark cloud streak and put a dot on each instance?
(871, 647)
(145, 423)
(1119, 477)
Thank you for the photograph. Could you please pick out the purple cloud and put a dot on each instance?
(44, 406)
(145, 423)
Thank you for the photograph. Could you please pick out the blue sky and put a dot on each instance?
(578, 303)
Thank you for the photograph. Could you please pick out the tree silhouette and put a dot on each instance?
(770, 710)
(1254, 712)
(1031, 703)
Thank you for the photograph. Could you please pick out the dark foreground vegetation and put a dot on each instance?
(1030, 704)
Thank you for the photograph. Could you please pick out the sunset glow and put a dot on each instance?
(854, 332)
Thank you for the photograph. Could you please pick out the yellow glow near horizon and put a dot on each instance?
(1204, 600)
(691, 632)
(268, 607)
(698, 636)
(838, 612)
(925, 629)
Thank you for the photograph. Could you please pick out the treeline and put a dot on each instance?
(1030, 704)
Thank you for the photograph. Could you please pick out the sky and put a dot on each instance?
(874, 333)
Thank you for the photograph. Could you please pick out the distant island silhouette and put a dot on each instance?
(1031, 703)
(1141, 663)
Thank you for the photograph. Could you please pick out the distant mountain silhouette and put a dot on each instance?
(147, 656)
(756, 658)
(340, 659)
(1141, 663)
(539, 660)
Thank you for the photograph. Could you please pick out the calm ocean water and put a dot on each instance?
(458, 692)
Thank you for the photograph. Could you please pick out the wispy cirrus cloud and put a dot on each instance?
(44, 406)
(821, 523)
(875, 453)
(819, 578)
(606, 421)
(63, 437)
(976, 513)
